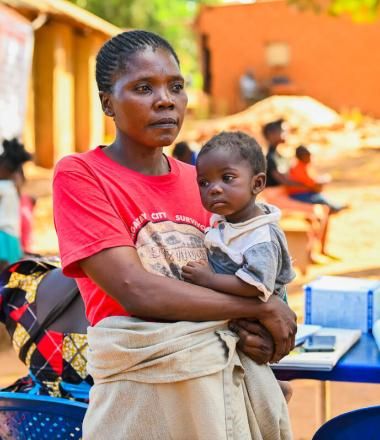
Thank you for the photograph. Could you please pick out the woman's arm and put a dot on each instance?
(119, 272)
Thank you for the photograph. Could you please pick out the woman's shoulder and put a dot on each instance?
(184, 169)
(76, 162)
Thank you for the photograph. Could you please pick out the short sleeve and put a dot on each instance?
(85, 220)
(260, 267)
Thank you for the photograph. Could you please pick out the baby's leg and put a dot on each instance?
(286, 389)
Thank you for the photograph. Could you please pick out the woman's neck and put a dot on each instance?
(149, 160)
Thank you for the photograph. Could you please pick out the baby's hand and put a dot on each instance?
(197, 272)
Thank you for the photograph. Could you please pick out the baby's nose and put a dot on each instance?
(216, 189)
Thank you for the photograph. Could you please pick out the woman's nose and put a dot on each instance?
(164, 99)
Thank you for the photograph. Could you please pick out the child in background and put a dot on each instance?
(27, 205)
(248, 252)
(12, 157)
(184, 153)
(302, 173)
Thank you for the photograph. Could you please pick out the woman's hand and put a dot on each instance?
(255, 340)
(281, 323)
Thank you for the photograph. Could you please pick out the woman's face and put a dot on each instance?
(148, 100)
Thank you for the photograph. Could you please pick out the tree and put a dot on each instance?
(358, 10)
(170, 18)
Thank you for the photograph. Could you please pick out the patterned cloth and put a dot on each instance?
(57, 361)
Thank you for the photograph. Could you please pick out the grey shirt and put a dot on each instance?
(256, 251)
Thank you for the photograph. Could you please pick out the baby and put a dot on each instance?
(247, 250)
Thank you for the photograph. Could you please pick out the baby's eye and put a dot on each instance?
(203, 183)
(228, 178)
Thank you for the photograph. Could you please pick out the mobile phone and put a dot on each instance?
(320, 343)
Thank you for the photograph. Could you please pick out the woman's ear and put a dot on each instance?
(258, 183)
(106, 102)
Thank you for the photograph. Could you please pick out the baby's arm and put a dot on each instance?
(200, 273)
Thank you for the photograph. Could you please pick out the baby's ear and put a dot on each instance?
(258, 183)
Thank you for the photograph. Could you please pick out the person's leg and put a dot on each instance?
(318, 199)
(319, 225)
(324, 232)
(323, 214)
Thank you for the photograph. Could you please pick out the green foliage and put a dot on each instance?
(170, 18)
(358, 10)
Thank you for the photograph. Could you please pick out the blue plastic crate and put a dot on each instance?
(27, 417)
(342, 302)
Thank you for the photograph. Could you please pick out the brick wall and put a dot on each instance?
(331, 59)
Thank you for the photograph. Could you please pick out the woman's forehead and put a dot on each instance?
(150, 62)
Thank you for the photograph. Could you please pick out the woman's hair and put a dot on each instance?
(113, 57)
(243, 144)
(13, 155)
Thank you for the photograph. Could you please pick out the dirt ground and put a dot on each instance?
(353, 240)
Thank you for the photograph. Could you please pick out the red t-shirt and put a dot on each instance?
(300, 173)
(99, 204)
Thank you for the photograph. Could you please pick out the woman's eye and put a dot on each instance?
(178, 87)
(143, 88)
(227, 178)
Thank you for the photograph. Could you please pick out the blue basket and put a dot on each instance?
(27, 417)
(363, 424)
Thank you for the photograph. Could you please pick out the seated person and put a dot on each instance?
(277, 165)
(279, 181)
(43, 313)
(302, 173)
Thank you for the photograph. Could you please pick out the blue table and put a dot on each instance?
(360, 364)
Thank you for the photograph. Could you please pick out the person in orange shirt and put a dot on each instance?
(302, 173)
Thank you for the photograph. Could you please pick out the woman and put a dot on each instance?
(128, 219)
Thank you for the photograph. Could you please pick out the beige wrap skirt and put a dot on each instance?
(178, 381)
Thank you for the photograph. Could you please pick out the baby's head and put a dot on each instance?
(231, 171)
(303, 154)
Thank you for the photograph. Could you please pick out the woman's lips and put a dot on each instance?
(165, 123)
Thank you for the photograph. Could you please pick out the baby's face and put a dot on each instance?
(225, 184)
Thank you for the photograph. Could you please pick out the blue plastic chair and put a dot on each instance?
(26, 417)
(363, 424)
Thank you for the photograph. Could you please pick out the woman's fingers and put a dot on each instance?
(254, 340)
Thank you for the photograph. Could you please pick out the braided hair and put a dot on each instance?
(237, 142)
(13, 155)
(116, 52)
